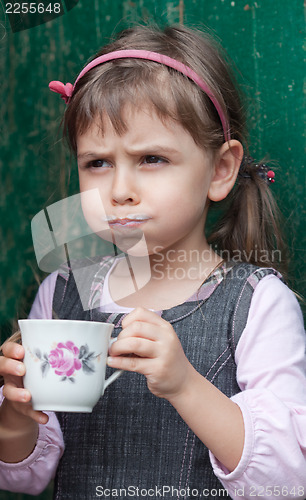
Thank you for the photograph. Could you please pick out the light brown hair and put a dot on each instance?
(250, 217)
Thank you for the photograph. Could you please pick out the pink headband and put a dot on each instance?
(67, 90)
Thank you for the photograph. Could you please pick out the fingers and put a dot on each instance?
(19, 400)
(140, 329)
(145, 324)
(142, 314)
(131, 364)
(13, 350)
(137, 344)
(37, 416)
(9, 366)
(144, 334)
(146, 345)
(10, 362)
(12, 392)
(133, 345)
(12, 369)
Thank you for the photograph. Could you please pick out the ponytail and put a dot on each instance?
(249, 230)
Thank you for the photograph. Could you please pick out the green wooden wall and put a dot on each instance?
(265, 40)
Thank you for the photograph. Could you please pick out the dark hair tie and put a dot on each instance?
(261, 169)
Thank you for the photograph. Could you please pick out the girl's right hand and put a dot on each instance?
(17, 399)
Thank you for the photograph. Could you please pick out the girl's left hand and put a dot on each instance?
(149, 345)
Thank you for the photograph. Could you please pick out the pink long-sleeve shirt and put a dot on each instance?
(271, 373)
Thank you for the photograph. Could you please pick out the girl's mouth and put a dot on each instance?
(129, 221)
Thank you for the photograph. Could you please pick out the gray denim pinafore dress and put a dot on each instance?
(133, 444)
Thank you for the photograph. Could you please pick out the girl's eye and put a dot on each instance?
(149, 159)
(98, 164)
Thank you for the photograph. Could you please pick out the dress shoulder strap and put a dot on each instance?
(77, 286)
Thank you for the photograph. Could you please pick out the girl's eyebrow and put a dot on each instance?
(88, 155)
(152, 149)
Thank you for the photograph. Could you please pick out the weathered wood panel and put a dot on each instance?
(264, 38)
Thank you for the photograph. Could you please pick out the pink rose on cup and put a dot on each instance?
(65, 359)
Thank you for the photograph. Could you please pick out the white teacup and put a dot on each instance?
(65, 363)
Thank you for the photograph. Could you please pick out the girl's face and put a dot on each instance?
(150, 183)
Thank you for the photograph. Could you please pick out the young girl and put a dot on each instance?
(212, 402)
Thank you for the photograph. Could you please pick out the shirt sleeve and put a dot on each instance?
(42, 305)
(33, 474)
(271, 373)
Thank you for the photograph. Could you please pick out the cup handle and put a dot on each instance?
(114, 375)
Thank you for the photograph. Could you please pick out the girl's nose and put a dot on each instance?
(124, 190)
